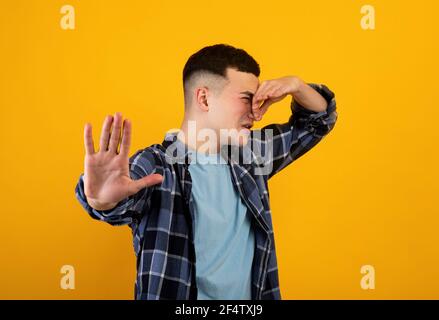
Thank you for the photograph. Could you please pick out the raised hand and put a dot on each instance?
(106, 172)
(271, 91)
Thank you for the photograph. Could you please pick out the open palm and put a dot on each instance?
(106, 172)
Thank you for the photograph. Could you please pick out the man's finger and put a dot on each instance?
(88, 140)
(257, 105)
(261, 95)
(256, 110)
(126, 138)
(105, 134)
(115, 133)
(260, 92)
(256, 102)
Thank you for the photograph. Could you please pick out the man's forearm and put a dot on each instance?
(308, 97)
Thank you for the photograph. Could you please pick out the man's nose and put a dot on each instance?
(251, 116)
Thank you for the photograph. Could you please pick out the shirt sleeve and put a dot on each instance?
(304, 129)
(128, 210)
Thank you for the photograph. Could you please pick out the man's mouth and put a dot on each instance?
(247, 126)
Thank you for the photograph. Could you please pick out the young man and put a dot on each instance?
(199, 207)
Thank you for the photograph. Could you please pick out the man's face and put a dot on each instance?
(230, 112)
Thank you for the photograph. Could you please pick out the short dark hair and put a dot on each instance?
(214, 60)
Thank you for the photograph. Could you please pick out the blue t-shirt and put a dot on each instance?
(224, 239)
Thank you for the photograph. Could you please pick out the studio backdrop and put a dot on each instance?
(355, 218)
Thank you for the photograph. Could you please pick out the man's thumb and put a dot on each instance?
(148, 181)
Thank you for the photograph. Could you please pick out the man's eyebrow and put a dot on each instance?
(251, 94)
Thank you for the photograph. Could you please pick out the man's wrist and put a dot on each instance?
(297, 85)
(101, 206)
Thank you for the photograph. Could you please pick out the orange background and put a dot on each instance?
(365, 195)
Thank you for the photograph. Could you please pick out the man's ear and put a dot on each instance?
(201, 95)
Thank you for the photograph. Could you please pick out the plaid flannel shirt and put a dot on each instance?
(161, 216)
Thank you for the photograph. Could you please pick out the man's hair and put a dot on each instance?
(210, 64)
